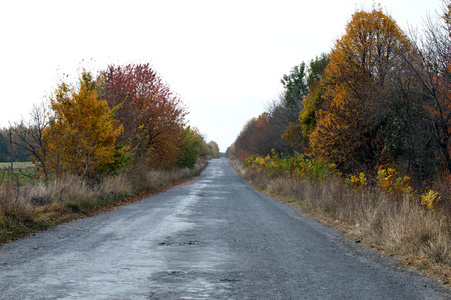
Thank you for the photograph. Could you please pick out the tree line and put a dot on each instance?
(379, 99)
(125, 118)
(8, 150)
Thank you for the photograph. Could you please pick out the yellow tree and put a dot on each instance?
(82, 132)
(355, 87)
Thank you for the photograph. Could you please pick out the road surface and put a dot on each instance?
(212, 238)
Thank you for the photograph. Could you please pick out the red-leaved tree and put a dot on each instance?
(151, 114)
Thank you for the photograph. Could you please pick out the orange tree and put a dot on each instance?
(350, 120)
(82, 132)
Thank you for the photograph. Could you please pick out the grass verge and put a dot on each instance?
(418, 237)
(33, 207)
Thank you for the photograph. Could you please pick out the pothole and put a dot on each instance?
(187, 243)
(229, 280)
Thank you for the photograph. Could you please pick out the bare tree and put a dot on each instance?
(433, 70)
(29, 136)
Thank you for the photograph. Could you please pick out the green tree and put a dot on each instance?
(316, 69)
(299, 131)
(295, 89)
(192, 147)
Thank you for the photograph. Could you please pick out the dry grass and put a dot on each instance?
(117, 185)
(36, 206)
(419, 237)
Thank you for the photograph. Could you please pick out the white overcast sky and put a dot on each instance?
(224, 58)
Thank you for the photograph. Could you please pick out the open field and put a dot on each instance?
(24, 172)
(17, 165)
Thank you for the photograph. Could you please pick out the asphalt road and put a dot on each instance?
(213, 238)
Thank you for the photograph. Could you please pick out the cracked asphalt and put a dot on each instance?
(212, 238)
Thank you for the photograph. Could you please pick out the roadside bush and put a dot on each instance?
(296, 166)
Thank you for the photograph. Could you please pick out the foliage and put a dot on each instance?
(377, 108)
(214, 149)
(81, 135)
(359, 182)
(348, 128)
(89, 144)
(430, 199)
(125, 117)
(295, 86)
(295, 89)
(378, 105)
(397, 186)
(262, 134)
(389, 181)
(310, 104)
(192, 147)
(316, 69)
(296, 166)
(152, 116)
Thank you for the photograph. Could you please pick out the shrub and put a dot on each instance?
(296, 166)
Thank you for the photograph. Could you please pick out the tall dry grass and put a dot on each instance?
(37, 205)
(404, 228)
